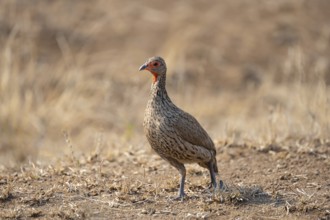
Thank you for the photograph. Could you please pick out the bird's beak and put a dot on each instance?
(143, 67)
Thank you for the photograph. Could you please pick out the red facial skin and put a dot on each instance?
(149, 67)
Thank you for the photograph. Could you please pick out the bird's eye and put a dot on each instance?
(156, 64)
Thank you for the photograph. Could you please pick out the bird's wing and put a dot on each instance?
(189, 129)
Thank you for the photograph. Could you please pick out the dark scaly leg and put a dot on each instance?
(183, 178)
(212, 174)
(182, 170)
(213, 178)
(213, 169)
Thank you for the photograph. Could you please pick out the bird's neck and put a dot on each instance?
(158, 87)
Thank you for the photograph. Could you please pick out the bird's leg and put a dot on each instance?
(182, 170)
(183, 178)
(212, 174)
(213, 183)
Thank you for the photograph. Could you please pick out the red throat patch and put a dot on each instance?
(155, 76)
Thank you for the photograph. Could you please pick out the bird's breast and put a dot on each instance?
(157, 123)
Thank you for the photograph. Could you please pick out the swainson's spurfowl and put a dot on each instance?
(174, 134)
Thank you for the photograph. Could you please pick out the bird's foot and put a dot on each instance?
(209, 188)
(180, 197)
(218, 191)
(222, 186)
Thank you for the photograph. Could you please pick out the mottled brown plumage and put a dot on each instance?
(174, 134)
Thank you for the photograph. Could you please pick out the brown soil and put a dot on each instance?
(273, 182)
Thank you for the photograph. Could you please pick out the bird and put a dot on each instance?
(175, 135)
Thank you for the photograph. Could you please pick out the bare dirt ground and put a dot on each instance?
(256, 74)
(275, 182)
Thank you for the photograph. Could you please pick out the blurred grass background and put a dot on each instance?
(251, 71)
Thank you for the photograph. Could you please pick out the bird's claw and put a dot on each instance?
(222, 186)
(180, 197)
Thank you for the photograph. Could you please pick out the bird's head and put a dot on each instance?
(155, 65)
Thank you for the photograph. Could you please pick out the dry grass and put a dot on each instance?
(255, 73)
